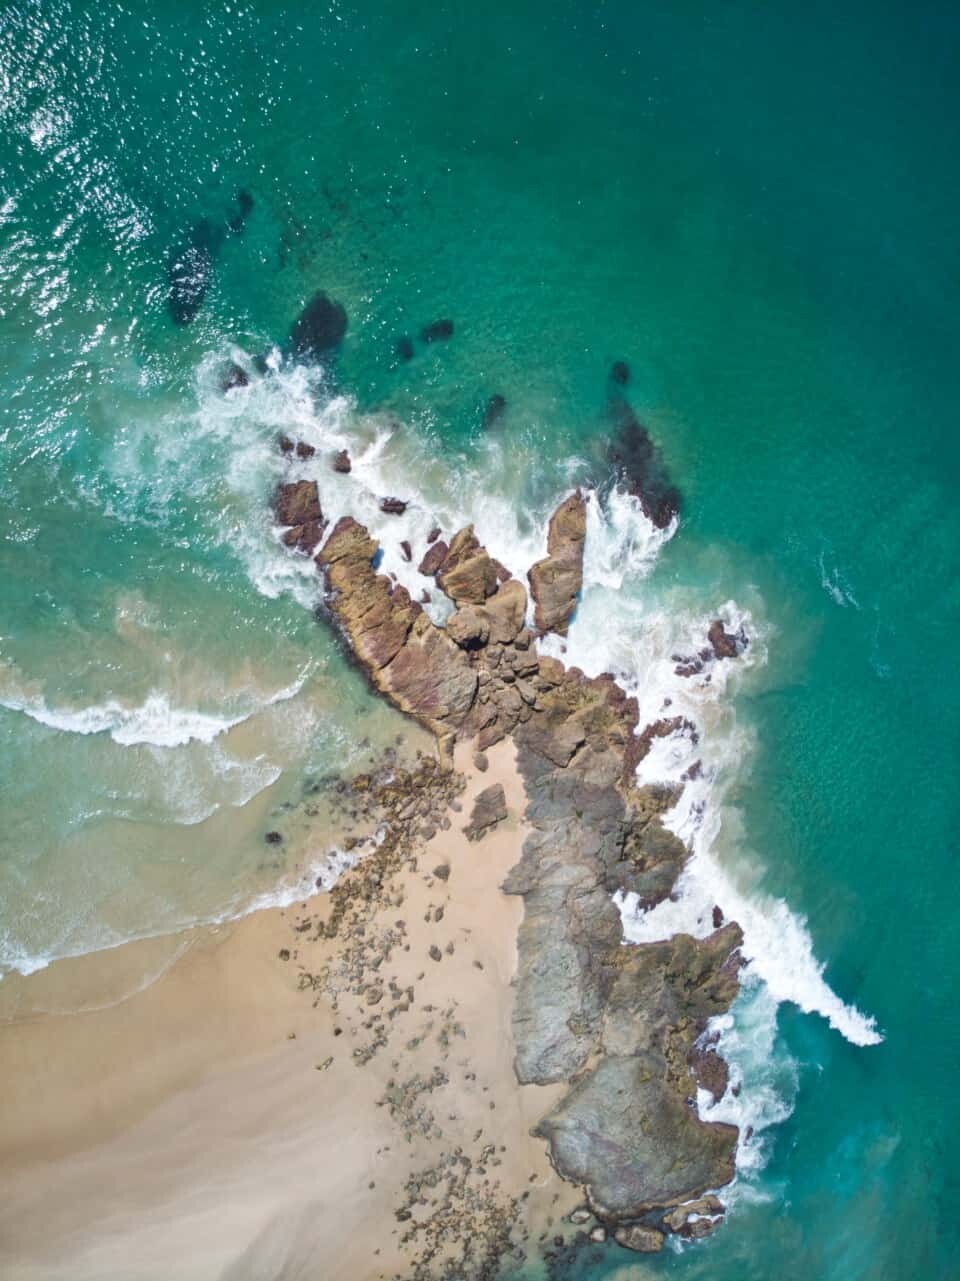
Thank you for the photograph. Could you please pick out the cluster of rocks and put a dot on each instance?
(720, 644)
(623, 1026)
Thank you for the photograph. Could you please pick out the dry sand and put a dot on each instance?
(208, 1121)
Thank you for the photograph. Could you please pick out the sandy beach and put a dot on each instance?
(260, 1100)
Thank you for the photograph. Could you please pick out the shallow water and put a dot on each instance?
(755, 208)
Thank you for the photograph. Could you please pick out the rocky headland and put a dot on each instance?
(620, 1029)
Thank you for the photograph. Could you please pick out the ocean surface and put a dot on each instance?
(755, 206)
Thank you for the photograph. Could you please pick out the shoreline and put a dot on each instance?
(193, 1109)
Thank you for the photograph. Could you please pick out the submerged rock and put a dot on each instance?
(319, 329)
(404, 347)
(493, 411)
(556, 580)
(438, 331)
(639, 466)
(620, 373)
(189, 274)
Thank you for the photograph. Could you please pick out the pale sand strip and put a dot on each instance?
(182, 1133)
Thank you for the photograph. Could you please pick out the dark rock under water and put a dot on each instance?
(319, 329)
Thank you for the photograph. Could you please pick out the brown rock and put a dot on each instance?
(467, 574)
(710, 1070)
(468, 627)
(406, 549)
(724, 645)
(297, 503)
(433, 559)
(304, 537)
(556, 580)
(285, 444)
(393, 506)
(304, 450)
(341, 462)
(489, 809)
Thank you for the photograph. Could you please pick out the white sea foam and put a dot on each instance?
(155, 721)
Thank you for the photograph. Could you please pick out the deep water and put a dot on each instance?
(755, 206)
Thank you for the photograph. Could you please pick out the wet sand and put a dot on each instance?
(244, 1116)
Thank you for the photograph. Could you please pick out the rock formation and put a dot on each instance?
(556, 580)
(622, 1026)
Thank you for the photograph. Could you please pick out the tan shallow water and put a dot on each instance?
(212, 1124)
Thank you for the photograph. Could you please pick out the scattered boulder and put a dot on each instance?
(393, 506)
(438, 331)
(304, 450)
(556, 580)
(717, 917)
(489, 809)
(273, 838)
(285, 444)
(319, 329)
(434, 534)
(406, 549)
(342, 463)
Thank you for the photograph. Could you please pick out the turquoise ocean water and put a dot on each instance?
(755, 206)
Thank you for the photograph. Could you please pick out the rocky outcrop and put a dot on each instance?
(415, 663)
(341, 462)
(622, 1026)
(556, 580)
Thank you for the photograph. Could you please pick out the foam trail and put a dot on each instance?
(155, 722)
(639, 640)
